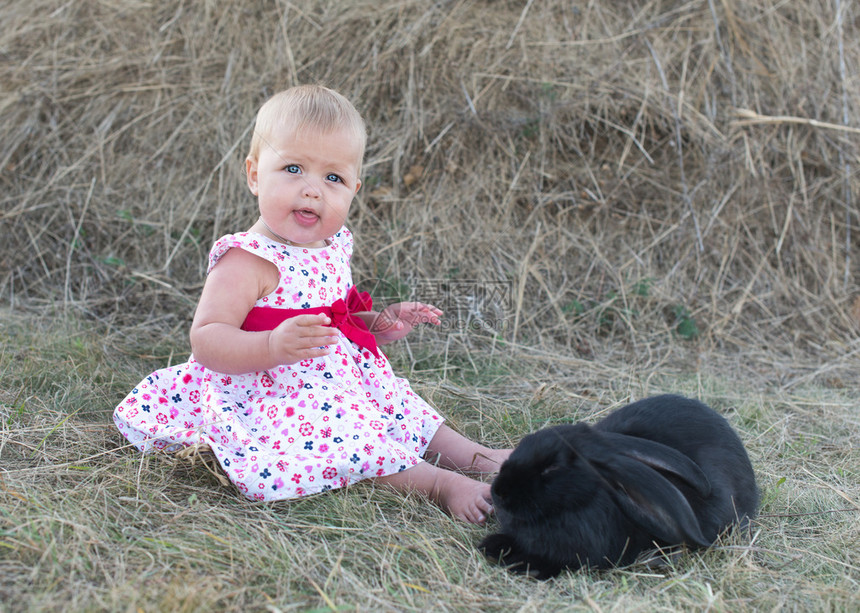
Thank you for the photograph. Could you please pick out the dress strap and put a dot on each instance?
(341, 313)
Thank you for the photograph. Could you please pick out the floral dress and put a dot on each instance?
(296, 429)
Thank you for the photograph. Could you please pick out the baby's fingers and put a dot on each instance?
(314, 352)
(425, 313)
(314, 336)
(312, 328)
(305, 332)
(317, 319)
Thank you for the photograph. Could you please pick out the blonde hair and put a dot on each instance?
(307, 107)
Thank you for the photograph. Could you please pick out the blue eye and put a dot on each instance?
(333, 178)
(293, 169)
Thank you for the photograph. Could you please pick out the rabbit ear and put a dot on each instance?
(662, 458)
(651, 501)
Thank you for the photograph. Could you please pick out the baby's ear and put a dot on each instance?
(357, 185)
(251, 174)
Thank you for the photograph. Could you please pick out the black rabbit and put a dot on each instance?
(662, 471)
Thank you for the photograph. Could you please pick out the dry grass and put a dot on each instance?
(666, 192)
(570, 150)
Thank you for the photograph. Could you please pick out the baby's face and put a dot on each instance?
(305, 182)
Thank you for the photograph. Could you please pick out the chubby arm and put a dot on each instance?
(398, 320)
(229, 293)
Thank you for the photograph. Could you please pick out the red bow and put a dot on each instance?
(341, 313)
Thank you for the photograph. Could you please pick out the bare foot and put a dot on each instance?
(462, 497)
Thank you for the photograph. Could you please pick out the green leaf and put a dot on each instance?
(643, 287)
(687, 328)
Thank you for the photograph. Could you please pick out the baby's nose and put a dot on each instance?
(311, 189)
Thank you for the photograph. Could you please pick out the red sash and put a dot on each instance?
(341, 314)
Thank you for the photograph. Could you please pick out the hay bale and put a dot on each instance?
(577, 152)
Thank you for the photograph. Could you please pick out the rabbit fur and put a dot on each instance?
(663, 471)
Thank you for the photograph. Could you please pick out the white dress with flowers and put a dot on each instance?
(297, 429)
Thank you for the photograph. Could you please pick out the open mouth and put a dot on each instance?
(306, 216)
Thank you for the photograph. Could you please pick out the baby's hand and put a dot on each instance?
(302, 337)
(398, 320)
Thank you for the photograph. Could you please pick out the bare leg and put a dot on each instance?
(457, 452)
(462, 497)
